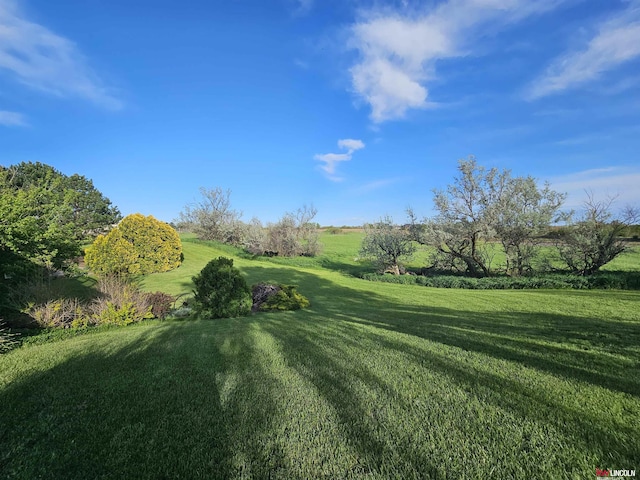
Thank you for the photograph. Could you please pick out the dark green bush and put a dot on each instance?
(285, 298)
(390, 278)
(221, 291)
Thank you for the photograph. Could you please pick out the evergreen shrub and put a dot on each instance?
(137, 246)
(221, 291)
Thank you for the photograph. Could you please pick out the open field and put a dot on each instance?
(373, 381)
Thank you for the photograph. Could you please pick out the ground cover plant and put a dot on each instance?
(373, 380)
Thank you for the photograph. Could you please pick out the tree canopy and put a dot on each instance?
(486, 204)
(387, 244)
(45, 214)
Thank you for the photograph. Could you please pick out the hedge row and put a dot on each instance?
(608, 280)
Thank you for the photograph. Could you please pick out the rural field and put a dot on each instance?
(374, 380)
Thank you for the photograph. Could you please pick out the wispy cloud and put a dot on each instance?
(619, 182)
(331, 160)
(44, 61)
(12, 119)
(616, 42)
(375, 185)
(600, 136)
(398, 52)
(302, 7)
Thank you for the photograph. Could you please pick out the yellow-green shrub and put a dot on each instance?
(138, 245)
(278, 297)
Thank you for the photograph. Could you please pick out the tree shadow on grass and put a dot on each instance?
(313, 352)
(593, 351)
(599, 434)
(198, 399)
(333, 360)
(146, 408)
(362, 423)
(564, 345)
(354, 270)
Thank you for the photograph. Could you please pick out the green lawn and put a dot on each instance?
(373, 381)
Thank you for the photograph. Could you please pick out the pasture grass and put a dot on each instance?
(372, 381)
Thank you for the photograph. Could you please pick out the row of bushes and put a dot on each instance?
(220, 292)
(609, 280)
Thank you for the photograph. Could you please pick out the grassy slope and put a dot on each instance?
(373, 381)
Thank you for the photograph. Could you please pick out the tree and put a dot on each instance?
(282, 238)
(482, 205)
(307, 230)
(294, 234)
(213, 218)
(595, 238)
(462, 226)
(45, 215)
(520, 215)
(255, 239)
(387, 244)
(138, 245)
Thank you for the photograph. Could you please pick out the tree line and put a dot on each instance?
(213, 218)
(46, 217)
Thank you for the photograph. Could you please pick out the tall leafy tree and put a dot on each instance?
(45, 215)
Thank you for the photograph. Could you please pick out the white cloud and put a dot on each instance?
(12, 119)
(398, 53)
(616, 42)
(330, 160)
(42, 60)
(350, 144)
(619, 182)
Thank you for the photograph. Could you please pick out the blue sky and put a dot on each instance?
(359, 107)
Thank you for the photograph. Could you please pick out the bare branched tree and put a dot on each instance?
(255, 239)
(212, 218)
(294, 234)
(595, 238)
(521, 214)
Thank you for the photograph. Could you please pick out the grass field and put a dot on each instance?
(373, 381)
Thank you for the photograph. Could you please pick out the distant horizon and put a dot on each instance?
(359, 108)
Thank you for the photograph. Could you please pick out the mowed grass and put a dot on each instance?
(373, 381)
